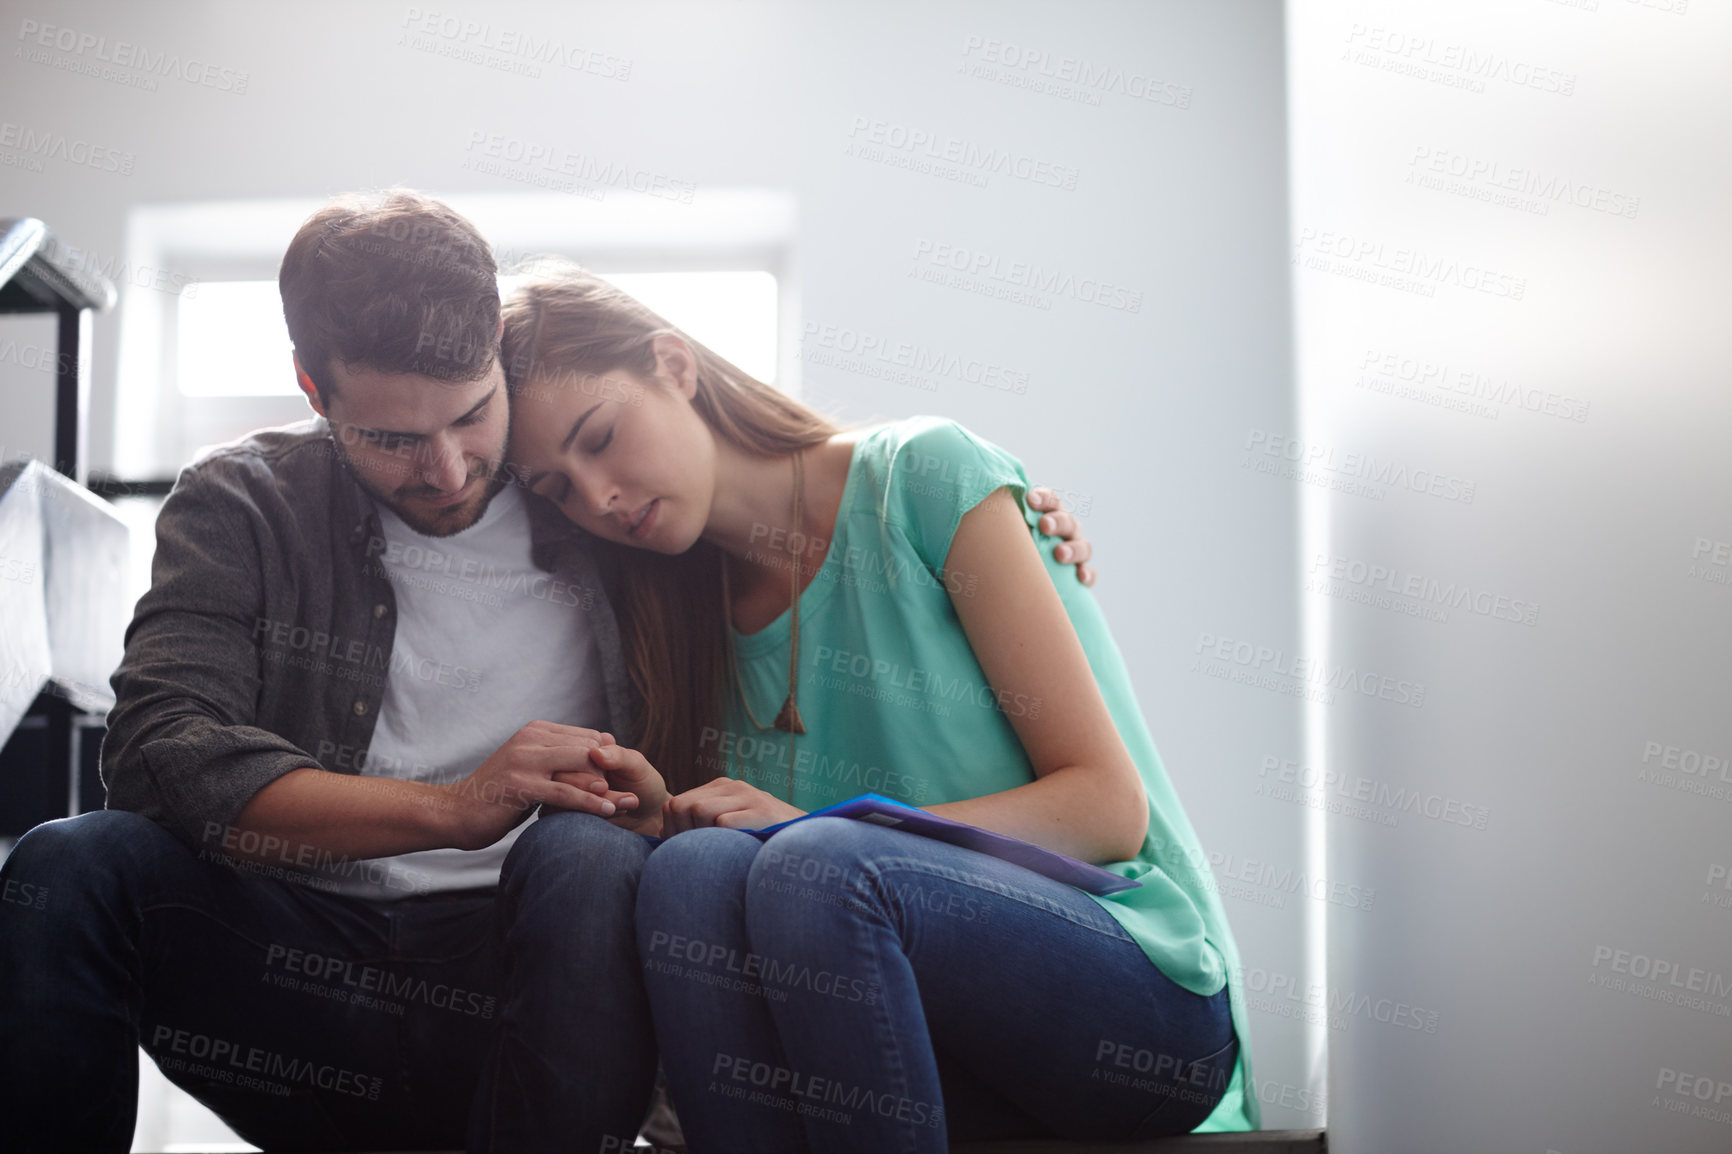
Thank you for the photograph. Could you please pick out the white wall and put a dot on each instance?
(1142, 415)
(1527, 939)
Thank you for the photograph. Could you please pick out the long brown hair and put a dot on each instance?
(566, 327)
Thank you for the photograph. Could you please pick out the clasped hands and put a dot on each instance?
(624, 777)
(585, 770)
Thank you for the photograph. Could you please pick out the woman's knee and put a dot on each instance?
(714, 859)
(823, 855)
(815, 872)
(693, 874)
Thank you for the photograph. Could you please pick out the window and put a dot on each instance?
(231, 341)
(208, 362)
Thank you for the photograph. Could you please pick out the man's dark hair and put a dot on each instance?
(394, 281)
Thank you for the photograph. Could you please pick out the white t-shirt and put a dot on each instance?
(485, 643)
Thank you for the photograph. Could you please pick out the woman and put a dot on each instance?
(812, 614)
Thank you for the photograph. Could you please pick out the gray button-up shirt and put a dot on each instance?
(264, 642)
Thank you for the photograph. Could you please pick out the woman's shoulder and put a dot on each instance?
(922, 446)
(923, 473)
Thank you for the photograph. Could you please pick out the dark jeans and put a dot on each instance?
(845, 987)
(513, 1017)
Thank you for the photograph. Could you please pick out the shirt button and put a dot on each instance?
(360, 708)
(379, 610)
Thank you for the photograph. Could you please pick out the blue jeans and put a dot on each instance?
(848, 987)
(513, 1017)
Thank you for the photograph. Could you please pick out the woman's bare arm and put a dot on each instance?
(1087, 800)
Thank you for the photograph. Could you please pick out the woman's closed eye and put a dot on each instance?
(557, 487)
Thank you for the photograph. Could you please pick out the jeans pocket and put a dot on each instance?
(1196, 1089)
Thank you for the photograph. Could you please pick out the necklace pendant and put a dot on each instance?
(788, 720)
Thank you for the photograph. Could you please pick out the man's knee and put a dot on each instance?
(566, 845)
(104, 842)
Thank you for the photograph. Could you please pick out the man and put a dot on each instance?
(321, 897)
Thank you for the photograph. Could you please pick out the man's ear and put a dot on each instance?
(308, 387)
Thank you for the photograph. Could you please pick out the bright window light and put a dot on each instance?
(232, 341)
(734, 313)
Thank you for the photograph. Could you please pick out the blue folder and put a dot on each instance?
(880, 810)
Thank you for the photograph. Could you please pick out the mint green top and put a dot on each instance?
(896, 703)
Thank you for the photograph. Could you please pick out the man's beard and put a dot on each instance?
(444, 522)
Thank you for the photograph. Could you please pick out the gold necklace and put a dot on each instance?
(788, 718)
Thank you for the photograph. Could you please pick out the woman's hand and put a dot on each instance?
(632, 784)
(725, 803)
(544, 763)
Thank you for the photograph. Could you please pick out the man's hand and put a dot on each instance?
(542, 764)
(1074, 549)
(726, 803)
